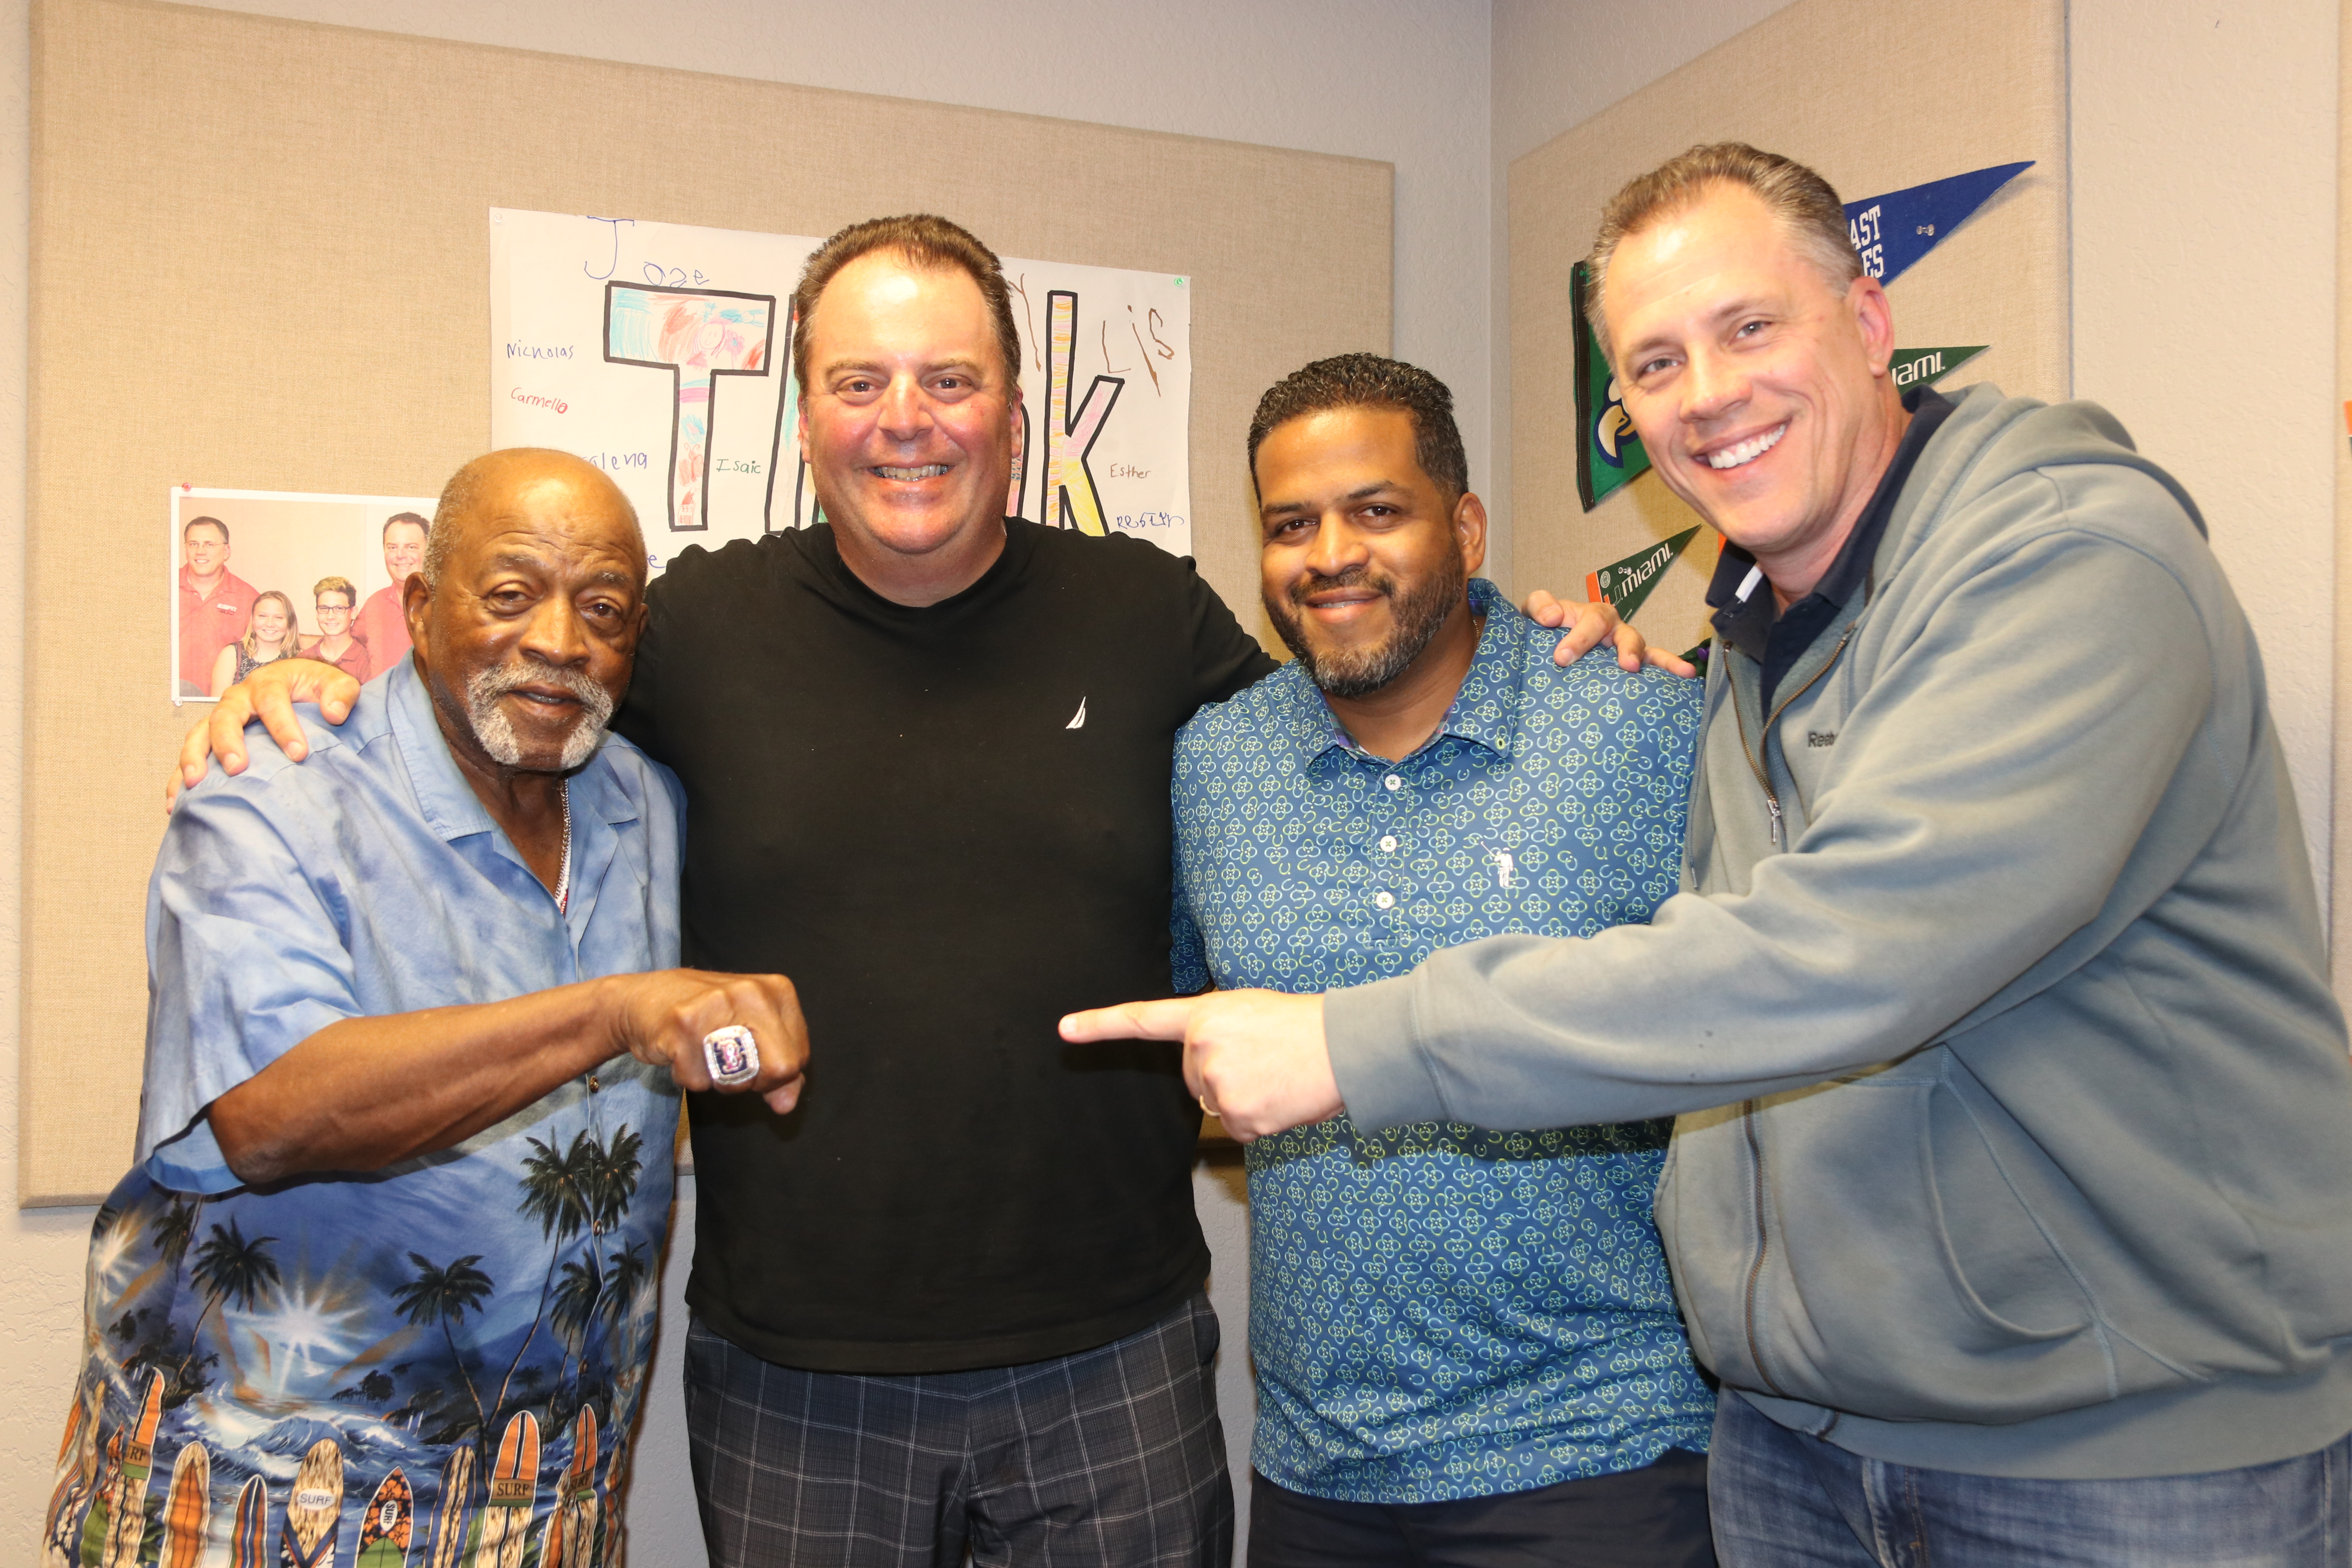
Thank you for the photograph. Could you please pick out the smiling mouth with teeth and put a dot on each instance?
(927, 471)
(1747, 451)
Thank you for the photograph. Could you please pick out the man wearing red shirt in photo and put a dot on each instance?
(214, 603)
(383, 624)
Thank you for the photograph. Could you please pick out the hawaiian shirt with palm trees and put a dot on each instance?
(436, 1364)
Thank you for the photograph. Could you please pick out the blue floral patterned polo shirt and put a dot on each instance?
(1440, 1311)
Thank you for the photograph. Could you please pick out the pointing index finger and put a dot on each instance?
(1165, 1020)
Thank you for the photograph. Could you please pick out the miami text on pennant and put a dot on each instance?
(1917, 367)
(1625, 583)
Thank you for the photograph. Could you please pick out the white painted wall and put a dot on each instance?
(2204, 190)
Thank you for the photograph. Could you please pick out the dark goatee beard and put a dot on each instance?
(1418, 612)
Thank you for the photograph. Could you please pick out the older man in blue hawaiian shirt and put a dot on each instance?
(1466, 1344)
(380, 1285)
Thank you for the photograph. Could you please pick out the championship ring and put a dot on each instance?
(731, 1055)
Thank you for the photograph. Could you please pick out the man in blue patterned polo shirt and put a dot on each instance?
(1466, 1344)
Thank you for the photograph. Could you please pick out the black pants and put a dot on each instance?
(1654, 1517)
(1112, 1457)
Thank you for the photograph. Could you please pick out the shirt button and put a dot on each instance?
(1388, 845)
(1393, 782)
(593, 1085)
(1386, 901)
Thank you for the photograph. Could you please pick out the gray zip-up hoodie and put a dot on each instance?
(2016, 1128)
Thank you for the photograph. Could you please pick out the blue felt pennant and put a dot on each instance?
(1896, 229)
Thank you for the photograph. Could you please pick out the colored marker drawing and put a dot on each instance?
(1071, 499)
(697, 338)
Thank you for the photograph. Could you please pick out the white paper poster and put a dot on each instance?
(663, 353)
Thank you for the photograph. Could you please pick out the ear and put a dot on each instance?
(1470, 530)
(416, 600)
(800, 426)
(1874, 318)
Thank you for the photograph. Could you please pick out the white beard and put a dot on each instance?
(496, 731)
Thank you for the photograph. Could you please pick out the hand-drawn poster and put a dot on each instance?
(662, 353)
(264, 574)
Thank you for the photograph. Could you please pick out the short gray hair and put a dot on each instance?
(1805, 204)
(458, 497)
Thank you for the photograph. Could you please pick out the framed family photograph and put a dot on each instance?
(259, 575)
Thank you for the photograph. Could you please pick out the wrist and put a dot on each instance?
(607, 1030)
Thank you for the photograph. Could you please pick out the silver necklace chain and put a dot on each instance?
(563, 877)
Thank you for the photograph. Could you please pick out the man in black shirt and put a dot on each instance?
(955, 1301)
(959, 1299)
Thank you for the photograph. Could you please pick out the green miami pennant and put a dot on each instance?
(1917, 367)
(1625, 583)
(1608, 452)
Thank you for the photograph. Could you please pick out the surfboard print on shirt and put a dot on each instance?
(449, 1520)
(76, 1480)
(187, 1508)
(126, 1506)
(505, 1523)
(385, 1528)
(572, 1529)
(248, 1539)
(315, 1508)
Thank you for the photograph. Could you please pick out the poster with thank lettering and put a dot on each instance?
(662, 353)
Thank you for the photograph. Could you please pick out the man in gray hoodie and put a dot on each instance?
(2011, 1196)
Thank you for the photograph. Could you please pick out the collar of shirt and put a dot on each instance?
(1485, 712)
(1746, 614)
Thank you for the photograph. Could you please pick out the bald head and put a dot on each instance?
(494, 484)
(526, 613)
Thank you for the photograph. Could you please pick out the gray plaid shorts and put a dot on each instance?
(1112, 1457)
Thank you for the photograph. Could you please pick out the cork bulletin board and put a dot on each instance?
(260, 259)
(1878, 99)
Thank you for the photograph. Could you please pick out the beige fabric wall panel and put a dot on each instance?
(1876, 97)
(2340, 880)
(281, 229)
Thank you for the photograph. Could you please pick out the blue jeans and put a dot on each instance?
(1784, 1499)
